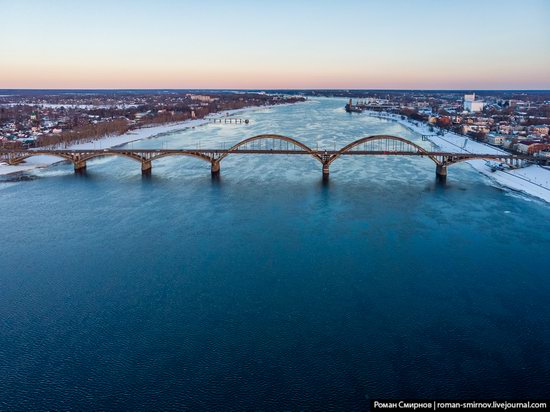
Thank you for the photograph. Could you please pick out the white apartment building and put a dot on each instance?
(471, 105)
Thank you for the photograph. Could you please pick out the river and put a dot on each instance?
(269, 288)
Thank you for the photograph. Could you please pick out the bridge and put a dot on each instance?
(272, 144)
(229, 120)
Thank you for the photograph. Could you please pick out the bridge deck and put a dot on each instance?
(267, 151)
(273, 144)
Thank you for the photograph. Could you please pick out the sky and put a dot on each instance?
(275, 44)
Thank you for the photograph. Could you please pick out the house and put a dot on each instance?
(531, 146)
(496, 140)
(540, 130)
(474, 128)
(505, 129)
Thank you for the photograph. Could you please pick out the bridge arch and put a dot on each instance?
(190, 154)
(32, 153)
(260, 137)
(367, 139)
(87, 156)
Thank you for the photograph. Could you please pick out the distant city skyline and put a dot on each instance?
(245, 44)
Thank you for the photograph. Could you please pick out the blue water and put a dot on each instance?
(269, 289)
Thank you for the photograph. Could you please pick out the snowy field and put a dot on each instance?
(70, 106)
(532, 180)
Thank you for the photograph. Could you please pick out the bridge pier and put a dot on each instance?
(325, 170)
(79, 166)
(441, 172)
(146, 167)
(215, 169)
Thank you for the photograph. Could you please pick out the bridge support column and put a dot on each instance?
(215, 168)
(146, 167)
(325, 170)
(441, 172)
(79, 166)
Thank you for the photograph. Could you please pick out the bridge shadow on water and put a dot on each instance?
(85, 177)
(81, 173)
(216, 179)
(147, 178)
(439, 183)
(442, 188)
(150, 179)
(325, 182)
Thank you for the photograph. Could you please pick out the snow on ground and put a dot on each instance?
(532, 180)
(109, 142)
(70, 106)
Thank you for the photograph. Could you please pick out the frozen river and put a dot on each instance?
(269, 289)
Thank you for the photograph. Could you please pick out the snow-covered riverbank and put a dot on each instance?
(532, 180)
(114, 141)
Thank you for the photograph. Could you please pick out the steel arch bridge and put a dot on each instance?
(274, 144)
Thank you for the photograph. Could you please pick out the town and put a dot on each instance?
(42, 119)
(516, 122)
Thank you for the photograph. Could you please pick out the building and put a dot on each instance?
(475, 128)
(541, 130)
(202, 98)
(531, 146)
(471, 105)
(505, 129)
(495, 140)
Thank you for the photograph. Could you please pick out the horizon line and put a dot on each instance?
(275, 89)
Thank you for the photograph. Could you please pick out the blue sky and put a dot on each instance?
(275, 44)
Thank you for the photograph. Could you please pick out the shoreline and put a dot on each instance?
(532, 181)
(107, 142)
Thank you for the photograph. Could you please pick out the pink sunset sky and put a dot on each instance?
(284, 44)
